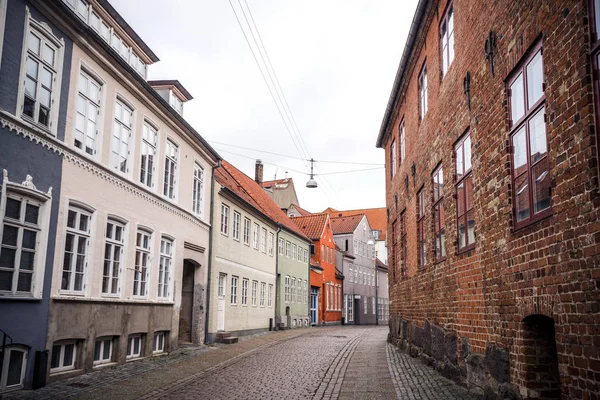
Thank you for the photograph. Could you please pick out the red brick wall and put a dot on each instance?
(327, 275)
(551, 267)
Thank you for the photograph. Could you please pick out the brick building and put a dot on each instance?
(494, 270)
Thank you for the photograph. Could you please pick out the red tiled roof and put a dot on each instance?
(312, 225)
(276, 182)
(346, 224)
(247, 189)
(377, 217)
(301, 210)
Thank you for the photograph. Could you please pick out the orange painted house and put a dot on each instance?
(325, 281)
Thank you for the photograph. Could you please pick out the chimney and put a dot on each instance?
(258, 172)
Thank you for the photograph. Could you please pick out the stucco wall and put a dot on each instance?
(293, 268)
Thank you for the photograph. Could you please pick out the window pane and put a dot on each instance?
(467, 150)
(522, 198)
(9, 235)
(541, 186)
(83, 222)
(597, 17)
(520, 152)
(461, 232)
(34, 43)
(32, 68)
(5, 278)
(460, 199)
(71, 218)
(469, 192)
(13, 208)
(459, 162)
(15, 366)
(46, 78)
(471, 227)
(31, 91)
(24, 282)
(31, 214)
(106, 349)
(27, 258)
(44, 115)
(55, 362)
(97, 348)
(537, 136)
(69, 355)
(48, 55)
(517, 99)
(535, 79)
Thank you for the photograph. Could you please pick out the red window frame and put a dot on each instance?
(437, 182)
(523, 179)
(403, 268)
(402, 136)
(393, 151)
(421, 231)
(594, 12)
(423, 90)
(447, 35)
(464, 193)
(394, 251)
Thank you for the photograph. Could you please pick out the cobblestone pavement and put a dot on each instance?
(315, 363)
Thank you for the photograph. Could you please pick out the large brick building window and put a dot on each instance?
(447, 38)
(421, 232)
(438, 214)
(402, 142)
(465, 214)
(403, 247)
(395, 257)
(393, 158)
(423, 91)
(530, 166)
(595, 54)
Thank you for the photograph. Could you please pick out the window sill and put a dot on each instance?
(466, 249)
(439, 261)
(519, 226)
(159, 354)
(71, 298)
(66, 372)
(105, 365)
(39, 127)
(18, 297)
(133, 359)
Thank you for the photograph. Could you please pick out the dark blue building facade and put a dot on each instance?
(35, 64)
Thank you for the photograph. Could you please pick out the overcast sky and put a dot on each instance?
(335, 60)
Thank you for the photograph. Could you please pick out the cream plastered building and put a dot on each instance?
(131, 261)
(243, 268)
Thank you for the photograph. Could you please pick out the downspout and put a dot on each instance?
(210, 240)
(376, 294)
(277, 305)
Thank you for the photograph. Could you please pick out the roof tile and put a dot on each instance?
(312, 225)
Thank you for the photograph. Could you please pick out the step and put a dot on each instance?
(222, 335)
(229, 340)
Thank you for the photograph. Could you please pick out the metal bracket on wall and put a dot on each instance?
(490, 47)
(467, 88)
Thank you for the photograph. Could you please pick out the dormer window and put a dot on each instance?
(176, 104)
(173, 93)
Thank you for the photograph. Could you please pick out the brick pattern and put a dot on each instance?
(551, 267)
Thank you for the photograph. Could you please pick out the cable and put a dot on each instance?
(351, 171)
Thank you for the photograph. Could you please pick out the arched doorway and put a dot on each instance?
(541, 376)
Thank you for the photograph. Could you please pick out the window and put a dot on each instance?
(288, 249)
(164, 268)
(221, 286)
(293, 290)
(247, 231)
(421, 232)
(305, 292)
(355, 247)
(300, 252)
(158, 344)
(245, 292)
(20, 234)
(76, 250)
(299, 298)
(142, 262)
(122, 127)
(254, 292)
(423, 91)
(328, 296)
(350, 275)
(103, 350)
(234, 283)
(271, 243)
(281, 244)
(113, 253)
(63, 356)
(438, 214)
(236, 225)
(148, 153)
(350, 307)
(465, 214)
(322, 252)
(595, 54)
(365, 305)
(287, 289)
(447, 39)
(263, 240)
(255, 228)
(402, 143)
(374, 310)
(134, 346)
(305, 255)
(88, 111)
(14, 365)
(224, 219)
(263, 287)
(198, 189)
(294, 251)
(270, 298)
(40, 77)
(171, 153)
(393, 158)
(530, 165)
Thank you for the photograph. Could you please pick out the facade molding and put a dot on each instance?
(19, 128)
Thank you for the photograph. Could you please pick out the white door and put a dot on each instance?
(221, 303)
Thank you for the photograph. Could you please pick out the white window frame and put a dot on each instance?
(402, 142)
(198, 189)
(26, 195)
(254, 292)
(245, 283)
(224, 219)
(281, 246)
(263, 240)
(78, 235)
(271, 243)
(294, 251)
(165, 267)
(130, 352)
(287, 289)
(170, 171)
(235, 232)
(328, 297)
(293, 290)
(149, 145)
(3, 4)
(350, 308)
(393, 158)
(263, 289)
(143, 255)
(423, 101)
(221, 286)
(124, 136)
(61, 367)
(270, 296)
(103, 341)
(158, 342)
(247, 224)
(288, 249)
(91, 113)
(234, 283)
(6, 360)
(43, 30)
(255, 228)
(111, 244)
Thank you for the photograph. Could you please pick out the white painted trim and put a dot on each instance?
(243, 267)
(3, 6)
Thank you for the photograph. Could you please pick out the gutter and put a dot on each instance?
(210, 247)
(399, 80)
(276, 308)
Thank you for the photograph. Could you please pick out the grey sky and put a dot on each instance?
(335, 61)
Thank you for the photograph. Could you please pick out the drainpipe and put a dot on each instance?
(210, 240)
(276, 275)
(376, 294)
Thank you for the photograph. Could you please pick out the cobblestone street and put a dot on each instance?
(315, 363)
